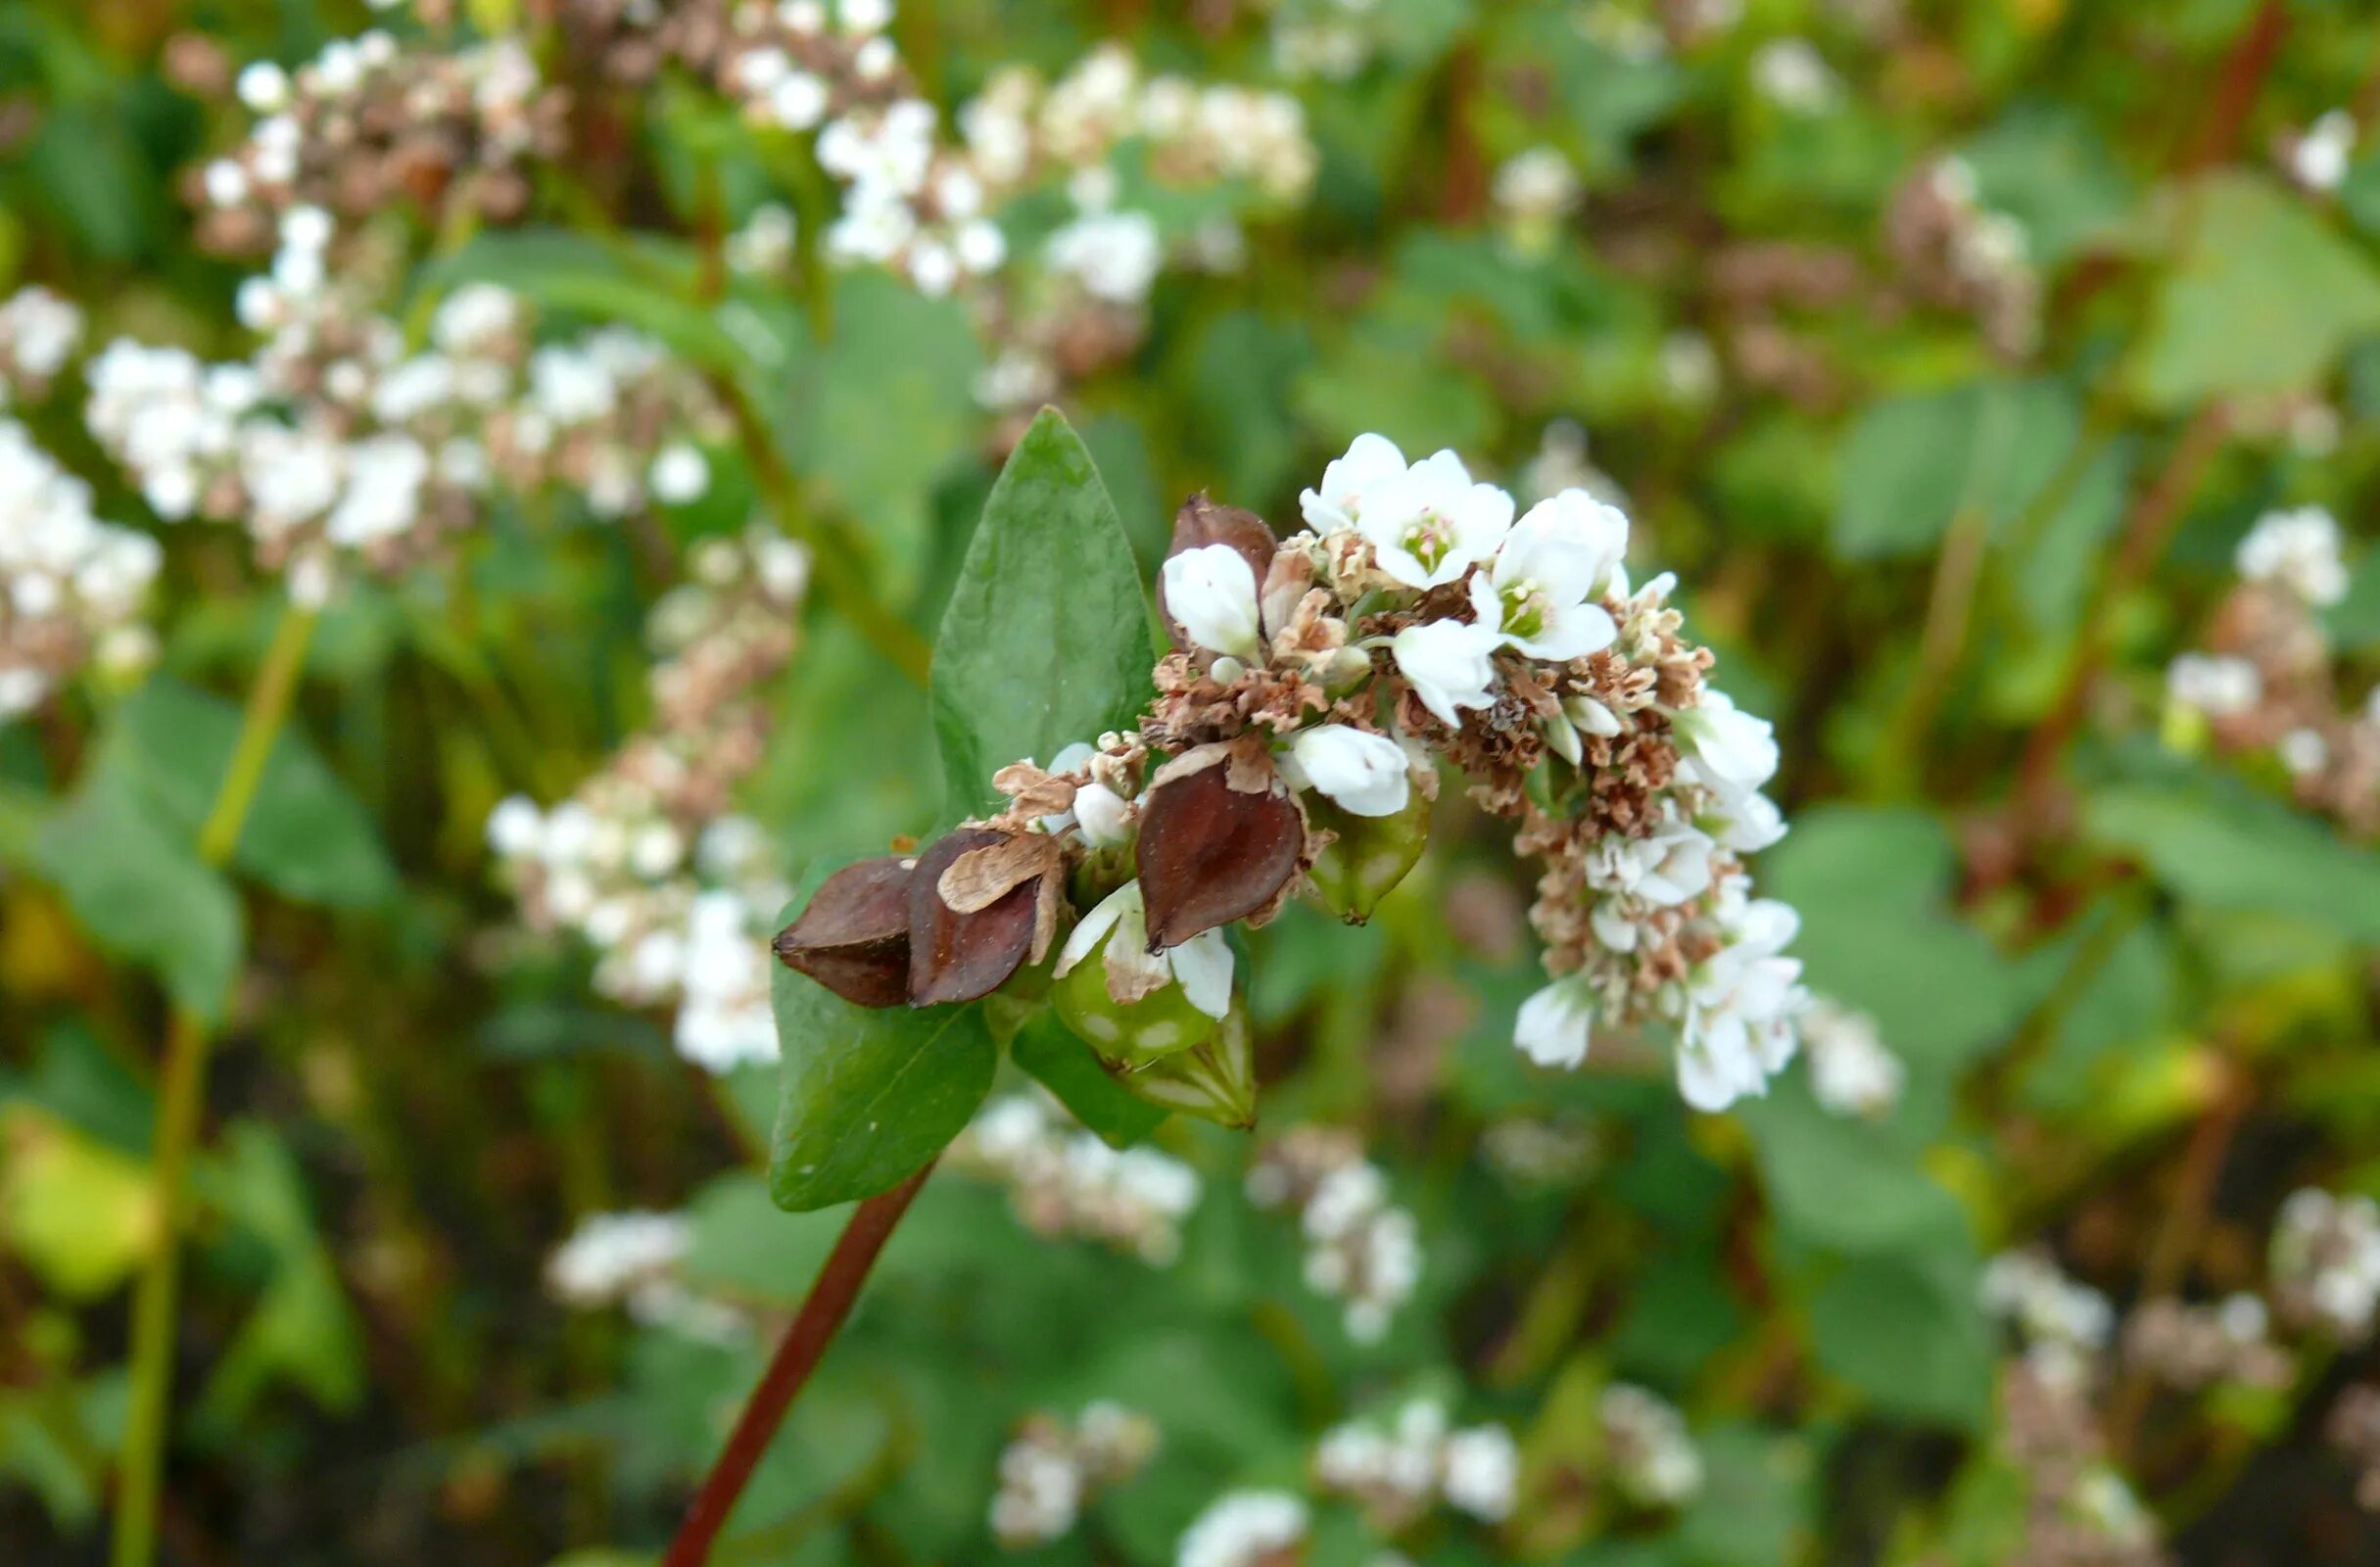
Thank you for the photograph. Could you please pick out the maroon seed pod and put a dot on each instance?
(1210, 854)
(854, 936)
(1201, 522)
(958, 957)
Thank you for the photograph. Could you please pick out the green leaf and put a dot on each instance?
(1908, 1333)
(2260, 303)
(868, 1095)
(1873, 887)
(900, 362)
(2216, 844)
(1046, 639)
(136, 886)
(306, 836)
(1844, 1183)
(1065, 1066)
(1913, 464)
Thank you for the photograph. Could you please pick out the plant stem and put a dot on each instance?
(797, 1355)
(181, 1096)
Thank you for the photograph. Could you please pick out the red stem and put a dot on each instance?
(805, 1343)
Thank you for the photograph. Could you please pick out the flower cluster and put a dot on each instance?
(1246, 1528)
(1850, 1070)
(2063, 1326)
(1360, 1247)
(2326, 1264)
(1397, 1470)
(368, 124)
(71, 586)
(1053, 1466)
(2188, 1346)
(339, 450)
(647, 860)
(40, 333)
(1651, 1458)
(1063, 1180)
(1313, 682)
(1958, 254)
(2268, 679)
(634, 1259)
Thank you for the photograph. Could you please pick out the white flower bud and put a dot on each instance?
(1213, 592)
(1360, 773)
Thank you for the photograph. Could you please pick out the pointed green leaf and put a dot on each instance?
(1046, 637)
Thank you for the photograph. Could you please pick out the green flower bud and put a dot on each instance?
(1214, 1080)
(1369, 855)
(1133, 1006)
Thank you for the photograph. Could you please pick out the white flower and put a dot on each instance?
(1850, 1070)
(1201, 966)
(1482, 1472)
(2298, 549)
(1541, 591)
(2319, 159)
(1746, 822)
(1555, 1022)
(1450, 665)
(1431, 523)
(1371, 460)
(1114, 255)
(1666, 867)
(1358, 772)
(2217, 685)
(679, 474)
(1242, 1529)
(1741, 1007)
(1213, 592)
(1731, 749)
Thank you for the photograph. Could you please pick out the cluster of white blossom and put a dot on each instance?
(646, 861)
(1333, 40)
(339, 449)
(1053, 1466)
(1501, 642)
(2268, 680)
(1850, 1070)
(2326, 1263)
(71, 586)
(1986, 254)
(369, 123)
(1022, 133)
(2190, 1344)
(39, 332)
(1063, 1180)
(1397, 1470)
(1651, 1457)
(1021, 129)
(1362, 1248)
(1246, 1528)
(634, 1259)
(2061, 1325)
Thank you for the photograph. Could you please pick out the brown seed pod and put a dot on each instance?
(1211, 853)
(1201, 522)
(853, 939)
(954, 956)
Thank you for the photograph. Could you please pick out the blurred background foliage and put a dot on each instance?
(1946, 524)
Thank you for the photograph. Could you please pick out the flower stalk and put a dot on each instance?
(181, 1096)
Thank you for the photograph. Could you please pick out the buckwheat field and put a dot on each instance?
(1236, 784)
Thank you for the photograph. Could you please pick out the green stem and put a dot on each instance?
(181, 1096)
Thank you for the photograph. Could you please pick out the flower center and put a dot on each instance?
(1526, 607)
(1429, 540)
